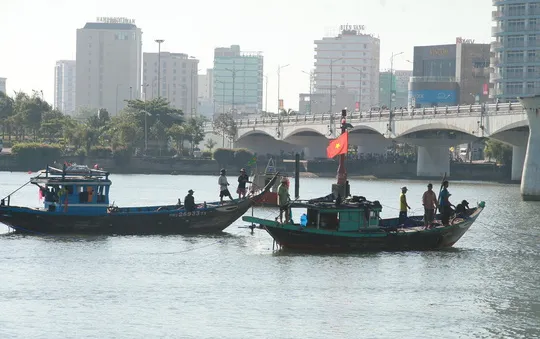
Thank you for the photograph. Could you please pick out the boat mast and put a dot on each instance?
(342, 170)
(342, 187)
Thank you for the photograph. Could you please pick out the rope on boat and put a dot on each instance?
(10, 194)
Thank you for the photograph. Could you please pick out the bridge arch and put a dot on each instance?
(516, 125)
(434, 126)
(361, 128)
(303, 130)
(253, 133)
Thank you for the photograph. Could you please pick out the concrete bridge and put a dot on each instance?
(433, 130)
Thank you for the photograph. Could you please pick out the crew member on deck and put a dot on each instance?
(223, 186)
(462, 210)
(403, 206)
(283, 200)
(189, 202)
(429, 201)
(243, 179)
(444, 204)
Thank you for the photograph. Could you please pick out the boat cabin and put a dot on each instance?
(75, 189)
(260, 180)
(344, 217)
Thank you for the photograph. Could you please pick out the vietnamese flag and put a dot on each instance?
(340, 145)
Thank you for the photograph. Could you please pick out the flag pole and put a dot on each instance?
(342, 185)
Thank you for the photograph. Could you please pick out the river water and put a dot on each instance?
(235, 286)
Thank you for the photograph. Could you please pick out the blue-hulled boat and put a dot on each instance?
(76, 200)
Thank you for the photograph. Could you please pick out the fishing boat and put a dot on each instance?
(261, 180)
(76, 200)
(353, 223)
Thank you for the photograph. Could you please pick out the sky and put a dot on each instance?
(36, 33)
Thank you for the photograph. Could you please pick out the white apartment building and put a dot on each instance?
(349, 61)
(109, 58)
(177, 81)
(64, 86)
(3, 85)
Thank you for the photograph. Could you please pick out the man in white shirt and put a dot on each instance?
(223, 186)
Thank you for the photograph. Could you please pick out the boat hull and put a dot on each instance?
(268, 199)
(414, 238)
(213, 220)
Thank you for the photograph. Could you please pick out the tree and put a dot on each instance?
(159, 132)
(157, 109)
(195, 130)
(6, 111)
(225, 124)
(177, 133)
(494, 149)
(210, 144)
(52, 125)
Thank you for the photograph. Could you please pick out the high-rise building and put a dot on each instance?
(402, 87)
(64, 86)
(348, 61)
(179, 79)
(205, 84)
(238, 80)
(446, 75)
(515, 60)
(3, 85)
(387, 83)
(109, 58)
(206, 96)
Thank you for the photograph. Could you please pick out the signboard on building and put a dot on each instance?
(485, 89)
(115, 20)
(348, 27)
(281, 104)
(438, 51)
(434, 97)
(460, 40)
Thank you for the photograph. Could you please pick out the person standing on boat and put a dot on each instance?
(403, 206)
(223, 186)
(444, 204)
(429, 201)
(189, 202)
(243, 179)
(283, 200)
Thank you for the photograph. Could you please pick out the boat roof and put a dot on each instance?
(72, 174)
(325, 203)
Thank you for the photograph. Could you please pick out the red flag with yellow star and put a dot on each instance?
(338, 146)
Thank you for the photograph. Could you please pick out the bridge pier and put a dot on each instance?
(432, 161)
(530, 181)
(518, 160)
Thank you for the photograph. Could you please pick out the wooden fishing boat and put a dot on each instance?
(355, 225)
(77, 201)
(332, 223)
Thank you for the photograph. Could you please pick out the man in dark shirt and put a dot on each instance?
(462, 210)
(243, 179)
(189, 202)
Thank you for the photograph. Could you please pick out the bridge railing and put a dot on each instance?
(384, 115)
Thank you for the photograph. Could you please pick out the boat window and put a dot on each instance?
(69, 188)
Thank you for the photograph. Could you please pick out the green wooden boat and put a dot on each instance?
(355, 225)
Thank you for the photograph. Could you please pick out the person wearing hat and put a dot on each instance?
(243, 179)
(223, 186)
(189, 201)
(283, 200)
(403, 206)
(429, 201)
(462, 210)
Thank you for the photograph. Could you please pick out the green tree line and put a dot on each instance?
(28, 118)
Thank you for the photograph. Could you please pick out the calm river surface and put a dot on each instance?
(234, 286)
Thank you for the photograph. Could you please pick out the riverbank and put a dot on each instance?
(325, 169)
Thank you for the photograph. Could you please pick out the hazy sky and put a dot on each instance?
(36, 33)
